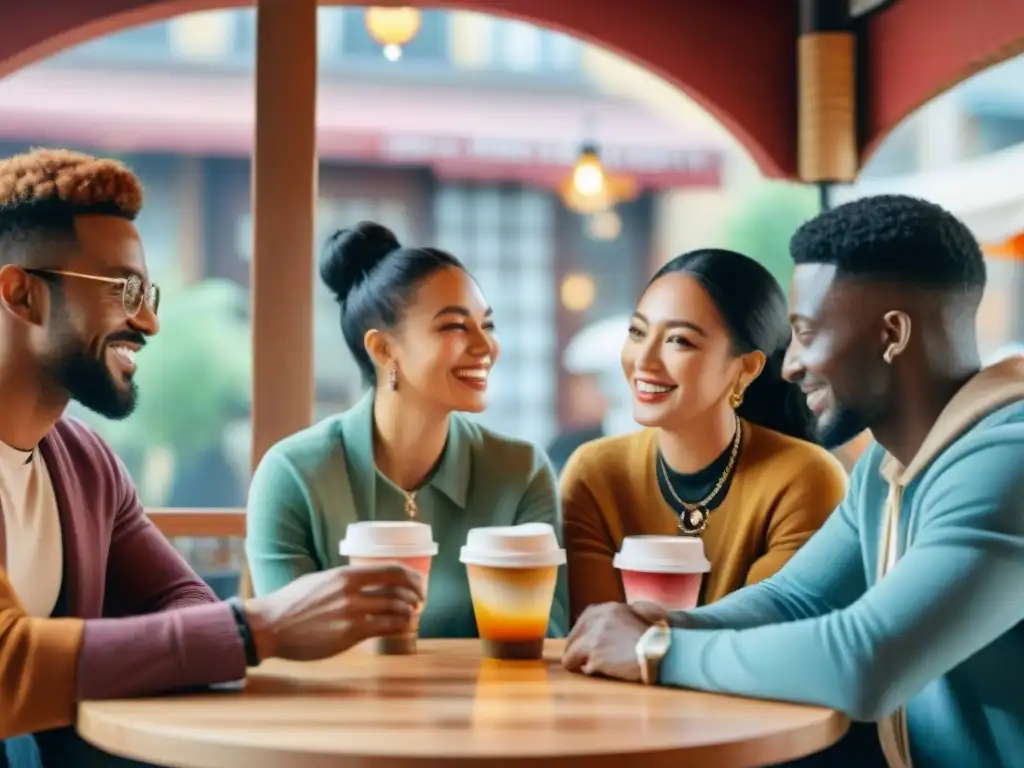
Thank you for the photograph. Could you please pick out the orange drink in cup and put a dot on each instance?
(512, 574)
(666, 570)
(409, 543)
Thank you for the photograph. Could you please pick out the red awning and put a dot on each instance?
(461, 132)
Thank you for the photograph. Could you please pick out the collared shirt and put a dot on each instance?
(311, 485)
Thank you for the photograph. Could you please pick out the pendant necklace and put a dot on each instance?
(411, 508)
(693, 517)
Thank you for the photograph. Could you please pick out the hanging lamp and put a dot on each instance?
(393, 27)
(590, 189)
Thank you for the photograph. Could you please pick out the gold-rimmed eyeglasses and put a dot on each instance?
(133, 290)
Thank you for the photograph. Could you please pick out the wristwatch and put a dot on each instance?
(651, 649)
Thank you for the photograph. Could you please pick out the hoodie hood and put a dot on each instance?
(991, 389)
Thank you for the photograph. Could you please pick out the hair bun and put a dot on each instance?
(349, 255)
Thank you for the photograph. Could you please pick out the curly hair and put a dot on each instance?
(894, 238)
(42, 191)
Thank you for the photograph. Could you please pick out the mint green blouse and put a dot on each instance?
(311, 485)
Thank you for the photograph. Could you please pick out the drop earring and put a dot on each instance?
(393, 379)
(736, 399)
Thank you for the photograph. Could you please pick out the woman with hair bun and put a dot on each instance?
(728, 452)
(423, 336)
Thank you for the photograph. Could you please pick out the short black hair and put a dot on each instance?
(894, 238)
(373, 278)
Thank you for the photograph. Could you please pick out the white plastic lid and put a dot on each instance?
(530, 545)
(662, 554)
(388, 538)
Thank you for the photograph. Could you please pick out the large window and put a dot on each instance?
(175, 101)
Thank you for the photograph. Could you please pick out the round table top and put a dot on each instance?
(446, 705)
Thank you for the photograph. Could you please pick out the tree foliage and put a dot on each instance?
(193, 376)
(764, 219)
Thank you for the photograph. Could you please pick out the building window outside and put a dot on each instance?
(522, 47)
(245, 31)
(506, 238)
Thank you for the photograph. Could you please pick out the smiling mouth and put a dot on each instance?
(475, 377)
(817, 400)
(652, 391)
(124, 356)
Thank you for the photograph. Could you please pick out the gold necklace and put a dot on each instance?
(411, 508)
(694, 517)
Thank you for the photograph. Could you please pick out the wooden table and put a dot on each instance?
(448, 707)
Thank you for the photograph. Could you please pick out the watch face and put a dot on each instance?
(655, 642)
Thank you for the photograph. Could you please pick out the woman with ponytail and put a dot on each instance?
(727, 452)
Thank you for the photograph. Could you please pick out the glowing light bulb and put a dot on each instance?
(578, 292)
(588, 176)
(392, 52)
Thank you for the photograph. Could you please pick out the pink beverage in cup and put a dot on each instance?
(666, 570)
(409, 543)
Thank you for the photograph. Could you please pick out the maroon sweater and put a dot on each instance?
(140, 621)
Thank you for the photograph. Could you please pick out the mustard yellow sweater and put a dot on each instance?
(782, 492)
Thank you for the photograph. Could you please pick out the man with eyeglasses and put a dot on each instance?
(94, 601)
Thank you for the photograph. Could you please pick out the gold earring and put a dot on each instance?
(393, 379)
(736, 399)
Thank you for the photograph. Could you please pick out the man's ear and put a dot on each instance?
(21, 296)
(896, 334)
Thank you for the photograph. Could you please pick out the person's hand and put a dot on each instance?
(603, 642)
(322, 614)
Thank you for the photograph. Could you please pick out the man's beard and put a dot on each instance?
(839, 428)
(87, 379)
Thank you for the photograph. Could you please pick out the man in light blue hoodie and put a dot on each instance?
(906, 607)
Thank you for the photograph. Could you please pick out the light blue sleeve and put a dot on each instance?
(826, 574)
(278, 539)
(539, 504)
(954, 591)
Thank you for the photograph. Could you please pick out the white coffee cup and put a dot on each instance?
(662, 554)
(388, 539)
(530, 545)
(666, 570)
(513, 573)
(412, 544)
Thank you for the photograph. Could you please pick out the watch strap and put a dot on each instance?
(252, 656)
